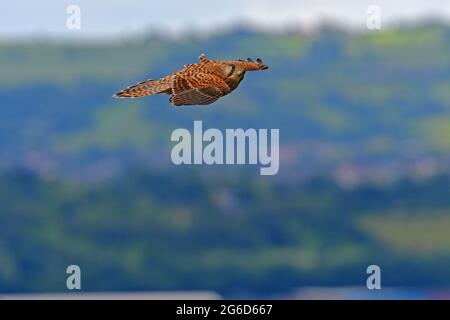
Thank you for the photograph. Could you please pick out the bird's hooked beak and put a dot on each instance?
(262, 66)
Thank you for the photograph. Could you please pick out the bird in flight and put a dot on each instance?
(197, 84)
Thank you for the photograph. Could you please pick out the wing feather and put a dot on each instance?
(201, 96)
(198, 89)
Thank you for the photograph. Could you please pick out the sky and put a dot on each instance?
(109, 18)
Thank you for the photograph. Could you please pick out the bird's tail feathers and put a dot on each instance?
(146, 88)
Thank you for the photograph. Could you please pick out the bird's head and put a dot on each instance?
(235, 70)
(236, 66)
(236, 73)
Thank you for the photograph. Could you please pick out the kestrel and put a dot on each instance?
(197, 84)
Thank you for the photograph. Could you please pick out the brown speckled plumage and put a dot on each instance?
(197, 84)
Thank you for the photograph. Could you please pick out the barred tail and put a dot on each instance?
(146, 88)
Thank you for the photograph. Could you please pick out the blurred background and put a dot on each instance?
(364, 119)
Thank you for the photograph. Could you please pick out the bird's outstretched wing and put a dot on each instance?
(200, 89)
(200, 96)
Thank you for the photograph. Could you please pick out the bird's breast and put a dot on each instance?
(234, 83)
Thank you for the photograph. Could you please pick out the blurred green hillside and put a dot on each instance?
(236, 235)
(364, 123)
(373, 100)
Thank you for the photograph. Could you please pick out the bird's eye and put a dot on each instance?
(231, 68)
